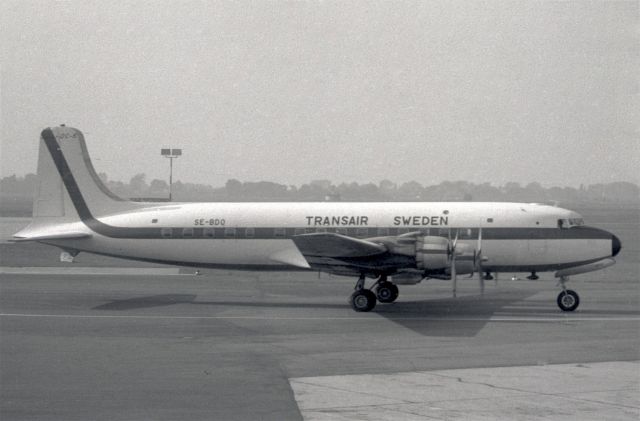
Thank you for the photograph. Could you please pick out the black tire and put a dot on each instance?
(363, 300)
(568, 300)
(386, 292)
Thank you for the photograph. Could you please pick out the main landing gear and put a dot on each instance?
(568, 300)
(365, 300)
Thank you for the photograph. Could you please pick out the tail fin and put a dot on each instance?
(68, 187)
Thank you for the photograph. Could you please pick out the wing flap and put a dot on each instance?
(336, 245)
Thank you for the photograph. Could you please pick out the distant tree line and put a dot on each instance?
(17, 192)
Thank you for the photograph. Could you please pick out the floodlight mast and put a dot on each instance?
(171, 154)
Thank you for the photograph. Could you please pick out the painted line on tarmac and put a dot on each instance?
(87, 270)
(497, 319)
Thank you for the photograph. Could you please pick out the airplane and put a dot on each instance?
(393, 243)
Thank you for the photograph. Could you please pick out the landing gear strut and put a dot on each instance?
(533, 276)
(568, 300)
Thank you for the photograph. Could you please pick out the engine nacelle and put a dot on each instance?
(433, 256)
(431, 252)
(408, 278)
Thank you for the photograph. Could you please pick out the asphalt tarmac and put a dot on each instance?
(224, 345)
(151, 344)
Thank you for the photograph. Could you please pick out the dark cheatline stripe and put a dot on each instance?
(264, 233)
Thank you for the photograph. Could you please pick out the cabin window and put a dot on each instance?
(187, 232)
(229, 233)
(489, 220)
(166, 232)
(362, 232)
(250, 232)
(383, 232)
(154, 221)
(279, 233)
(209, 232)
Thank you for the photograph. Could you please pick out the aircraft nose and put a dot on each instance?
(615, 245)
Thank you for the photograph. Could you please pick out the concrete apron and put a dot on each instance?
(590, 391)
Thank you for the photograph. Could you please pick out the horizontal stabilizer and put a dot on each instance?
(336, 245)
(68, 235)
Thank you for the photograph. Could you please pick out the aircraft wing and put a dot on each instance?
(336, 246)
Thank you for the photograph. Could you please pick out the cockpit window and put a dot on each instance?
(570, 222)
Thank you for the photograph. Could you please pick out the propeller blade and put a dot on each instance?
(478, 259)
(454, 274)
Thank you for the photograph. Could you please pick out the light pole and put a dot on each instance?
(171, 154)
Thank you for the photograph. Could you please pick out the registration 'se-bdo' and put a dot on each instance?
(392, 243)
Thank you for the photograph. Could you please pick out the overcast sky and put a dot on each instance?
(347, 91)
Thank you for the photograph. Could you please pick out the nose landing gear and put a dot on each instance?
(568, 300)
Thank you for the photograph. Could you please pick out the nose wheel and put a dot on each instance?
(568, 300)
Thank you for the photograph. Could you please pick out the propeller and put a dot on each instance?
(478, 261)
(452, 255)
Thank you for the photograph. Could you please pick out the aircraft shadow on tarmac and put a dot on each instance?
(449, 317)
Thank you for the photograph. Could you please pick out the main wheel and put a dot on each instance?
(387, 292)
(568, 300)
(363, 300)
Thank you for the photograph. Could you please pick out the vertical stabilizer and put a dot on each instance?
(49, 194)
(68, 186)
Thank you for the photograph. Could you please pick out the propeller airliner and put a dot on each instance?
(393, 243)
